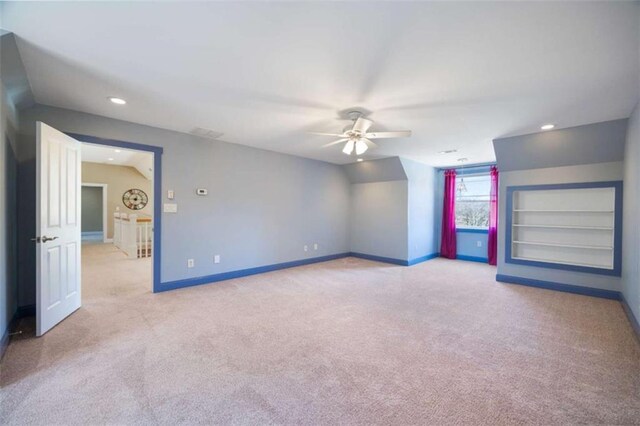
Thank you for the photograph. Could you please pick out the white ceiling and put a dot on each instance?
(264, 74)
(141, 161)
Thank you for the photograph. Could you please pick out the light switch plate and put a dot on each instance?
(170, 208)
(170, 194)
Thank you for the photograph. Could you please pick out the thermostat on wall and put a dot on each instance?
(201, 191)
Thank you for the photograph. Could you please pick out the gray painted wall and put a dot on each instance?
(384, 170)
(592, 143)
(422, 208)
(8, 191)
(379, 219)
(92, 209)
(631, 234)
(582, 173)
(262, 207)
(393, 205)
(14, 75)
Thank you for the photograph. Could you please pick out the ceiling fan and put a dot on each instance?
(357, 138)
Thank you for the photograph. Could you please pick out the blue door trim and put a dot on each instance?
(617, 238)
(157, 193)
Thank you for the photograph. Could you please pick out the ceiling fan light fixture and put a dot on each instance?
(361, 147)
(348, 147)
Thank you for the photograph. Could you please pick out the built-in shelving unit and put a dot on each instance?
(572, 226)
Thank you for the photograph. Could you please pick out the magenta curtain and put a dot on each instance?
(448, 240)
(492, 243)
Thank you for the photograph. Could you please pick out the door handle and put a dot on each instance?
(35, 239)
(45, 239)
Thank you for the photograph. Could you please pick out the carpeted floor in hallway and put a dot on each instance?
(342, 342)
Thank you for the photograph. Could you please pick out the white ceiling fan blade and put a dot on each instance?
(382, 135)
(370, 143)
(334, 143)
(362, 125)
(340, 135)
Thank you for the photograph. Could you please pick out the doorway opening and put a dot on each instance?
(117, 210)
(94, 212)
(58, 239)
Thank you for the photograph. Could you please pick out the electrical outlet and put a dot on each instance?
(216, 258)
(479, 243)
(190, 263)
(315, 246)
(306, 248)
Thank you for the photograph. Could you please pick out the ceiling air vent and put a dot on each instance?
(206, 133)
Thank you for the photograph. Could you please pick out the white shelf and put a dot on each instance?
(572, 226)
(561, 211)
(590, 265)
(564, 245)
(591, 228)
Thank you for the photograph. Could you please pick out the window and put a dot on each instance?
(472, 201)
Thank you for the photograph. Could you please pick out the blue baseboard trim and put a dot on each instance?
(21, 312)
(567, 288)
(4, 342)
(422, 259)
(472, 258)
(382, 259)
(635, 324)
(189, 282)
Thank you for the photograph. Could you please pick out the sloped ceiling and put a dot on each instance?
(141, 161)
(458, 74)
(588, 144)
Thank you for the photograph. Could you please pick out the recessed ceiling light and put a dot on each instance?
(117, 150)
(117, 101)
(448, 151)
(110, 159)
(547, 126)
(360, 160)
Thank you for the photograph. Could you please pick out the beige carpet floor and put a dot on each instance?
(342, 342)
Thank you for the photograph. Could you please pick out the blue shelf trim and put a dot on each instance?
(617, 238)
(472, 258)
(472, 231)
(567, 288)
(157, 193)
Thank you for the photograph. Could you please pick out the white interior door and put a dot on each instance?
(58, 238)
